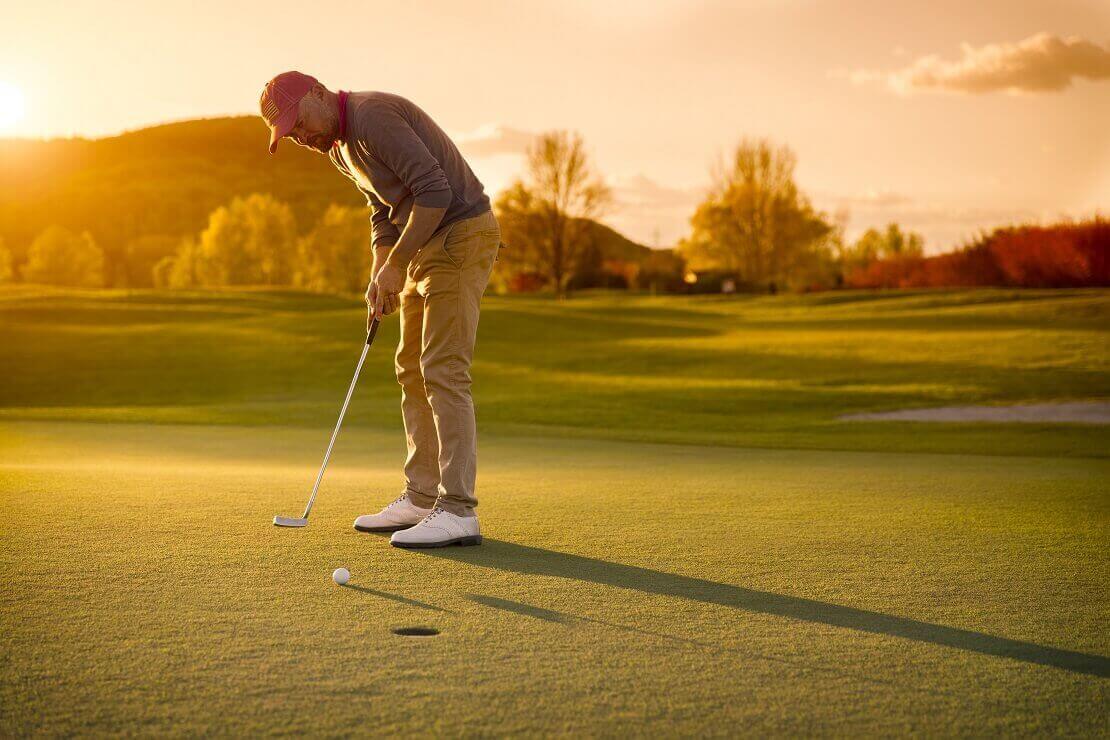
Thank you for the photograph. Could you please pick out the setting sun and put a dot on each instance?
(11, 105)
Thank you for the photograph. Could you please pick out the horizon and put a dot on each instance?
(944, 139)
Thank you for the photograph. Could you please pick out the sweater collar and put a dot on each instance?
(343, 95)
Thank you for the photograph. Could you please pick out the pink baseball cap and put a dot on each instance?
(279, 103)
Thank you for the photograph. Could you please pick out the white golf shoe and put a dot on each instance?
(400, 514)
(439, 529)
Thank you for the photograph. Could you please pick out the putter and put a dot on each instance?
(288, 521)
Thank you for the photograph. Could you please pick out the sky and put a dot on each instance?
(947, 117)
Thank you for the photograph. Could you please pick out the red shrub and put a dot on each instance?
(1059, 256)
(527, 282)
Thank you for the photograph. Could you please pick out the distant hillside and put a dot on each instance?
(616, 246)
(165, 180)
(160, 180)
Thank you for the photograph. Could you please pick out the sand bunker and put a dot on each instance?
(1074, 412)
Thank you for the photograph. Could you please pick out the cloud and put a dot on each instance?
(649, 212)
(943, 224)
(1040, 63)
(658, 214)
(642, 191)
(872, 199)
(494, 139)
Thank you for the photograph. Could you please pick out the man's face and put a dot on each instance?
(315, 128)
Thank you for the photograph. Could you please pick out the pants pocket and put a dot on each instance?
(456, 246)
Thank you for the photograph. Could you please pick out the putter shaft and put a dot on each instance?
(342, 412)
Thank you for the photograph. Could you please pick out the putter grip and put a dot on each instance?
(372, 332)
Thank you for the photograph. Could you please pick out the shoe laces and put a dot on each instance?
(432, 515)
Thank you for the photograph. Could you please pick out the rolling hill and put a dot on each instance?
(161, 180)
(165, 180)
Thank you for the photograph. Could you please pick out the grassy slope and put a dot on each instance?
(771, 372)
(695, 589)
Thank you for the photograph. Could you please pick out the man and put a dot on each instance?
(434, 241)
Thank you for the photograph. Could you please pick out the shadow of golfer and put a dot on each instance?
(549, 615)
(525, 560)
(519, 607)
(394, 597)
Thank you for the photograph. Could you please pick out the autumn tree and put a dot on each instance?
(887, 244)
(60, 257)
(135, 269)
(544, 217)
(754, 221)
(251, 241)
(182, 270)
(335, 256)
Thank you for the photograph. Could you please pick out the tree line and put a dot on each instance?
(251, 241)
(755, 230)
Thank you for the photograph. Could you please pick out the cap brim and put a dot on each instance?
(282, 126)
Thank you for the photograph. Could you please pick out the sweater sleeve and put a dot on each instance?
(393, 141)
(382, 231)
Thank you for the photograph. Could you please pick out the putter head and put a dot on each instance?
(288, 521)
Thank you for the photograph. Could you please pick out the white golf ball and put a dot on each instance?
(341, 576)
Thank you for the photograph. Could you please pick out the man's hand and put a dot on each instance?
(389, 304)
(382, 296)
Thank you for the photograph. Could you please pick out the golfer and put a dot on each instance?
(434, 240)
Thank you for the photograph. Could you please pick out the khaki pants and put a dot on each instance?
(439, 322)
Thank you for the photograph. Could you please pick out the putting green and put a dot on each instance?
(624, 588)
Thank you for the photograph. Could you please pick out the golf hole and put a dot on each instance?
(415, 631)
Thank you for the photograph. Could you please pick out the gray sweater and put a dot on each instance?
(397, 156)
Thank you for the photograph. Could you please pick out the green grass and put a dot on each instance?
(681, 538)
(751, 372)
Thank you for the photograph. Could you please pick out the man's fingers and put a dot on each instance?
(379, 303)
(378, 297)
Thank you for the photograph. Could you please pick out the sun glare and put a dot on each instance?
(11, 105)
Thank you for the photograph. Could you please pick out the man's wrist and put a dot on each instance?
(399, 258)
(379, 256)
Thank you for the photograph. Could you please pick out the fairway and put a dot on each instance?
(680, 537)
(750, 371)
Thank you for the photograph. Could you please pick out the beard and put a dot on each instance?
(324, 141)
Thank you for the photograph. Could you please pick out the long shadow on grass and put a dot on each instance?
(525, 560)
(549, 615)
(394, 597)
